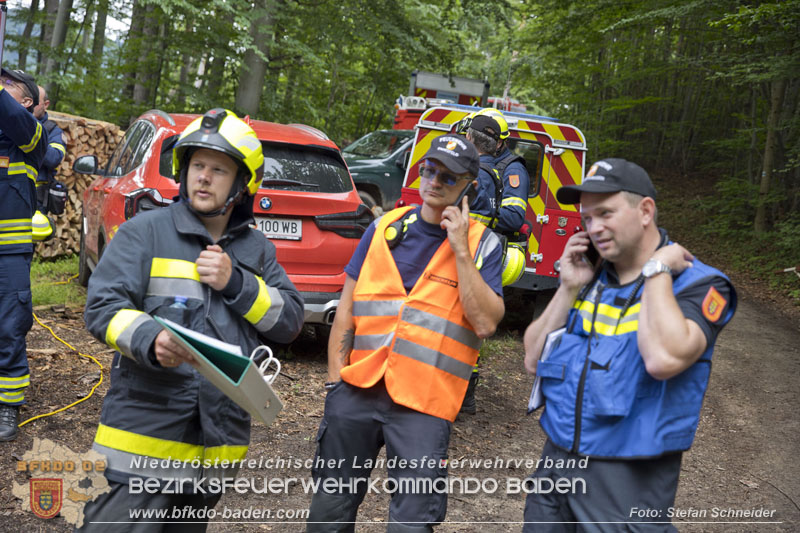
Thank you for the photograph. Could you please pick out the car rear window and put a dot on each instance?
(378, 143)
(300, 168)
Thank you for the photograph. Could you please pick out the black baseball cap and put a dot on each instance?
(25, 79)
(609, 176)
(486, 125)
(456, 153)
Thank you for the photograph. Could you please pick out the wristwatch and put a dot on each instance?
(653, 267)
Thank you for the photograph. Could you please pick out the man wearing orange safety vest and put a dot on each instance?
(422, 289)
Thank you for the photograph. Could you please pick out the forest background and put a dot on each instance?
(700, 89)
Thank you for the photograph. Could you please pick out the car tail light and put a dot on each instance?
(143, 200)
(352, 224)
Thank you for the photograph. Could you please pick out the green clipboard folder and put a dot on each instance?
(235, 375)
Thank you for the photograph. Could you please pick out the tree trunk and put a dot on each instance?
(776, 102)
(147, 68)
(187, 65)
(57, 41)
(46, 34)
(26, 35)
(254, 64)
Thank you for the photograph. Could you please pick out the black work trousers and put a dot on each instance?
(356, 424)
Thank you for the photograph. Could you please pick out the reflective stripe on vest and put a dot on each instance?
(122, 327)
(608, 321)
(419, 342)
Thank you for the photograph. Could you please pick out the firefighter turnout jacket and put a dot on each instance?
(419, 342)
(23, 144)
(153, 413)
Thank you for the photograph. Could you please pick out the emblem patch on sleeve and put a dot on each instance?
(513, 180)
(713, 304)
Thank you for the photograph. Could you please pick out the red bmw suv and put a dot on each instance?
(307, 204)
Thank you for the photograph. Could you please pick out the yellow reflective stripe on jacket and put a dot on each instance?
(130, 442)
(59, 147)
(37, 135)
(608, 322)
(174, 277)
(119, 332)
(224, 453)
(267, 307)
(138, 444)
(260, 305)
(480, 218)
(162, 267)
(514, 201)
(16, 231)
(15, 382)
(20, 167)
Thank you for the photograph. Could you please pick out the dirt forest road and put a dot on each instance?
(744, 457)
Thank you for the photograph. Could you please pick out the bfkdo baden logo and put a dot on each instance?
(46, 496)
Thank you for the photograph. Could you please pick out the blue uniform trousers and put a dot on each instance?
(356, 424)
(16, 318)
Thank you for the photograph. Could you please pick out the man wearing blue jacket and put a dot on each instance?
(625, 383)
(23, 143)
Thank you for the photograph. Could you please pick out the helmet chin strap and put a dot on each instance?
(234, 197)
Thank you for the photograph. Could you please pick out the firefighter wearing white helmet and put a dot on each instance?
(197, 263)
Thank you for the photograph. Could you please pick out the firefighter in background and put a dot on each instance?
(422, 289)
(23, 143)
(200, 264)
(501, 201)
(56, 151)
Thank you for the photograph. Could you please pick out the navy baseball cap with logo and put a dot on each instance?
(25, 79)
(486, 125)
(609, 176)
(456, 153)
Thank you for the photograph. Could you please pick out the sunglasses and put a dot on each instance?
(430, 173)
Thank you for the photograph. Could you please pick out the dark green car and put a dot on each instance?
(377, 164)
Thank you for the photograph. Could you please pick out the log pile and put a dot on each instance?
(82, 136)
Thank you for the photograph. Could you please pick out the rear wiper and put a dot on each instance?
(290, 183)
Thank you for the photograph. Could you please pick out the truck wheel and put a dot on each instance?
(83, 266)
(367, 198)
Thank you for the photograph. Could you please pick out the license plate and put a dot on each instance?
(281, 228)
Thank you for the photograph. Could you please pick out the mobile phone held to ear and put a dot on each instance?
(592, 255)
(470, 191)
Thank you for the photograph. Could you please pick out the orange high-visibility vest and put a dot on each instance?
(420, 342)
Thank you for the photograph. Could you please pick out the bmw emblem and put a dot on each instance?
(265, 203)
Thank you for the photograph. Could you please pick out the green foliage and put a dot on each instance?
(51, 282)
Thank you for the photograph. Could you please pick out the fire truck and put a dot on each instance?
(428, 89)
(554, 155)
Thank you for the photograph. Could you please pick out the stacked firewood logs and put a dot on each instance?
(82, 136)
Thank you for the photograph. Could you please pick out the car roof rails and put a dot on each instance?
(311, 129)
(163, 115)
